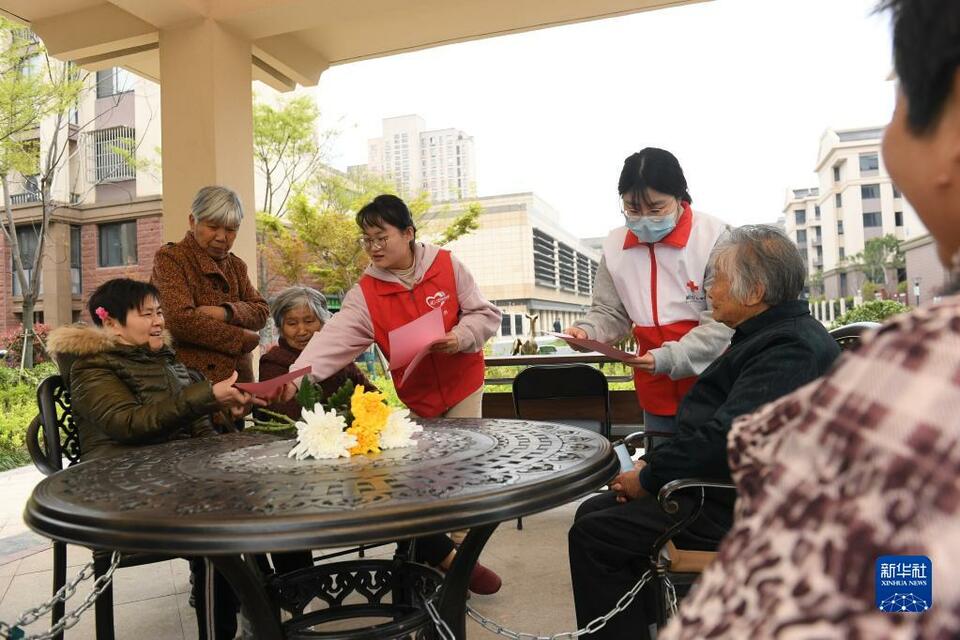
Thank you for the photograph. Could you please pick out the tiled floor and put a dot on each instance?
(151, 601)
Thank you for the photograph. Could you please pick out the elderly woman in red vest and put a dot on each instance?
(405, 280)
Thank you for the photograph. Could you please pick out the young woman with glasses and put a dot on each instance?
(651, 284)
(405, 280)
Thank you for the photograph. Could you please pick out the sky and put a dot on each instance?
(739, 90)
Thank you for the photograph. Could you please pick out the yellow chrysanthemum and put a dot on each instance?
(368, 440)
(369, 410)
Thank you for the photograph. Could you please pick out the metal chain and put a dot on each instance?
(70, 618)
(592, 627)
(443, 629)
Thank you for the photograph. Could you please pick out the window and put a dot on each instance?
(836, 173)
(544, 259)
(111, 152)
(872, 220)
(896, 192)
(843, 284)
(113, 81)
(816, 212)
(76, 282)
(118, 244)
(505, 324)
(840, 227)
(28, 239)
(801, 216)
(838, 200)
(843, 253)
(898, 218)
(802, 237)
(870, 191)
(30, 65)
(518, 324)
(869, 164)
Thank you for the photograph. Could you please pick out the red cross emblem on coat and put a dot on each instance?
(692, 286)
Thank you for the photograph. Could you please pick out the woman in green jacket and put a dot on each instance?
(128, 390)
(126, 387)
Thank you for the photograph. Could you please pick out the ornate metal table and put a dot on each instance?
(241, 494)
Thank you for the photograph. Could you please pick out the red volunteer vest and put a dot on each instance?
(672, 297)
(441, 380)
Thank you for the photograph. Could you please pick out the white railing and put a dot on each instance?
(110, 153)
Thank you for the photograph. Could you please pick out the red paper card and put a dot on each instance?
(268, 387)
(594, 345)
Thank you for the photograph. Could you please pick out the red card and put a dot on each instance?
(594, 345)
(269, 387)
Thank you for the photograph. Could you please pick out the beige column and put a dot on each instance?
(207, 125)
(55, 302)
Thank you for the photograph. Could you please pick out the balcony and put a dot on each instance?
(25, 197)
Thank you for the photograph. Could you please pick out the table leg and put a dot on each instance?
(249, 587)
(452, 604)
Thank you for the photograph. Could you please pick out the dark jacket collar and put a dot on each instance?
(282, 354)
(770, 317)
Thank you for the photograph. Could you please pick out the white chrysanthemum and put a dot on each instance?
(321, 435)
(399, 430)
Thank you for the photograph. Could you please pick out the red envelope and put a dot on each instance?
(268, 387)
(594, 345)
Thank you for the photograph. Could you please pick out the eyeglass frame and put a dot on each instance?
(372, 243)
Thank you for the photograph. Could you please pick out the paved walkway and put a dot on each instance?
(151, 601)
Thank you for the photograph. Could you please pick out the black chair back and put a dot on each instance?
(575, 394)
(60, 435)
(848, 336)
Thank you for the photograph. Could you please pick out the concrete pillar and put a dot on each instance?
(843, 306)
(823, 311)
(830, 311)
(55, 302)
(207, 125)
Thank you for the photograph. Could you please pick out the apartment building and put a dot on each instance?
(439, 162)
(854, 201)
(107, 193)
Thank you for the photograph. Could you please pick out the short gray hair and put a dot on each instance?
(293, 297)
(219, 205)
(754, 256)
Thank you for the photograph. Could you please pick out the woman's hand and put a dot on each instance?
(576, 332)
(287, 392)
(217, 313)
(627, 484)
(450, 344)
(646, 362)
(580, 334)
(232, 399)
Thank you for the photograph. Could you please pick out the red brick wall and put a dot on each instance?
(149, 239)
(7, 320)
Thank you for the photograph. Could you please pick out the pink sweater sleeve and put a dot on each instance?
(341, 340)
(479, 319)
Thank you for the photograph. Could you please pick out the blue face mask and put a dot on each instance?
(652, 228)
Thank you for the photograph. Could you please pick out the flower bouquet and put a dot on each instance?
(351, 421)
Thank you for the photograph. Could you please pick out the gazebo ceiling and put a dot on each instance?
(294, 41)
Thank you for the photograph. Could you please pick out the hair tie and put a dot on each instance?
(102, 313)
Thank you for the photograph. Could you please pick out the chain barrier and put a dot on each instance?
(592, 627)
(443, 629)
(70, 618)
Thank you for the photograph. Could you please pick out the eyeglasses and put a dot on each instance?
(372, 243)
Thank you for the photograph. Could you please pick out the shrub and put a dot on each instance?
(12, 341)
(872, 311)
(18, 406)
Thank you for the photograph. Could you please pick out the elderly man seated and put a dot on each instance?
(777, 347)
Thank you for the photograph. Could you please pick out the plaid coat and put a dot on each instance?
(862, 463)
(187, 278)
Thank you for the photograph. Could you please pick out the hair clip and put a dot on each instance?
(101, 313)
